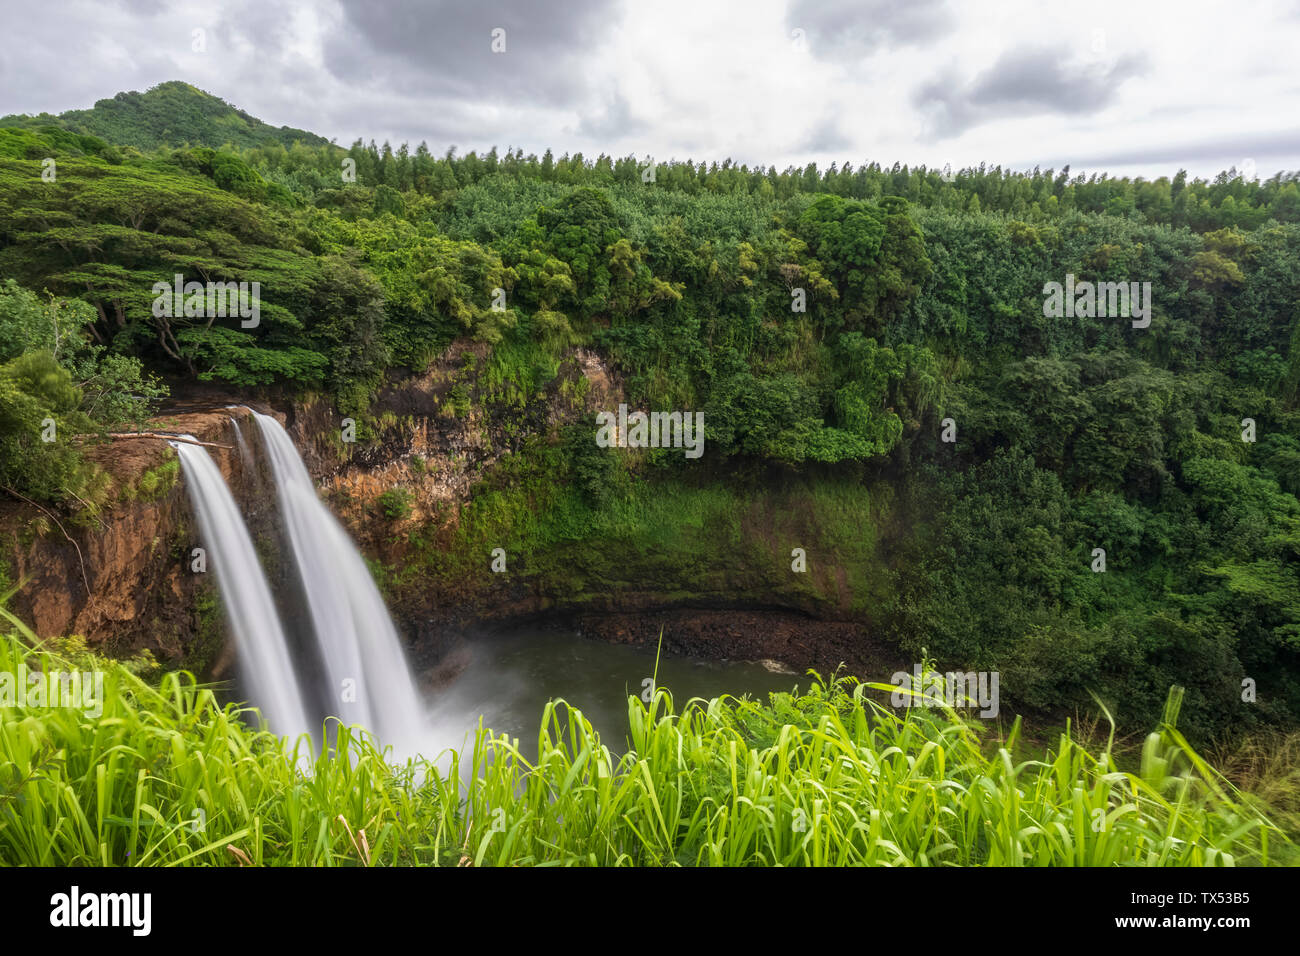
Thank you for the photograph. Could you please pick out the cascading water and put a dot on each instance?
(245, 455)
(263, 650)
(370, 682)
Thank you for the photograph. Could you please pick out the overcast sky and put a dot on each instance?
(1137, 87)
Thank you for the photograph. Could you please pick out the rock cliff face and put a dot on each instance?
(430, 444)
(124, 580)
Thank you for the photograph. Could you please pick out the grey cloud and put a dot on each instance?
(134, 45)
(148, 8)
(265, 25)
(34, 83)
(825, 137)
(444, 49)
(402, 120)
(849, 30)
(615, 122)
(1023, 82)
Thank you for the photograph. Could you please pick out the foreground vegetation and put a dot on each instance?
(167, 776)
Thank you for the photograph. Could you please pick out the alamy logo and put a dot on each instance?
(73, 689)
(956, 689)
(213, 300)
(102, 909)
(653, 430)
(1130, 300)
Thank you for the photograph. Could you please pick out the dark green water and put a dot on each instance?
(510, 678)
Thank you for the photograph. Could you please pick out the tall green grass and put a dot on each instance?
(167, 776)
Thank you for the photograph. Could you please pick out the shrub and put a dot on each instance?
(396, 503)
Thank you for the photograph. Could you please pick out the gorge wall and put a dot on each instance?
(408, 488)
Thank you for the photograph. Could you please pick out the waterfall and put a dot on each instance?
(245, 455)
(263, 650)
(369, 681)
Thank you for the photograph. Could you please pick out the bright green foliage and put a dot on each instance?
(29, 325)
(395, 504)
(39, 415)
(433, 288)
(60, 384)
(231, 355)
(164, 776)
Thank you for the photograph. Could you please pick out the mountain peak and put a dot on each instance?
(174, 113)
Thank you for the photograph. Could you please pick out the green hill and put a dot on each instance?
(170, 114)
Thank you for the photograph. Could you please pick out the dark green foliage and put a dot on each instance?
(594, 470)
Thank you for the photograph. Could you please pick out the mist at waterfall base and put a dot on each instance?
(511, 675)
(332, 649)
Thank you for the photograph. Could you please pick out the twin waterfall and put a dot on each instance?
(348, 637)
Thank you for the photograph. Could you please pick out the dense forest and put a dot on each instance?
(837, 327)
